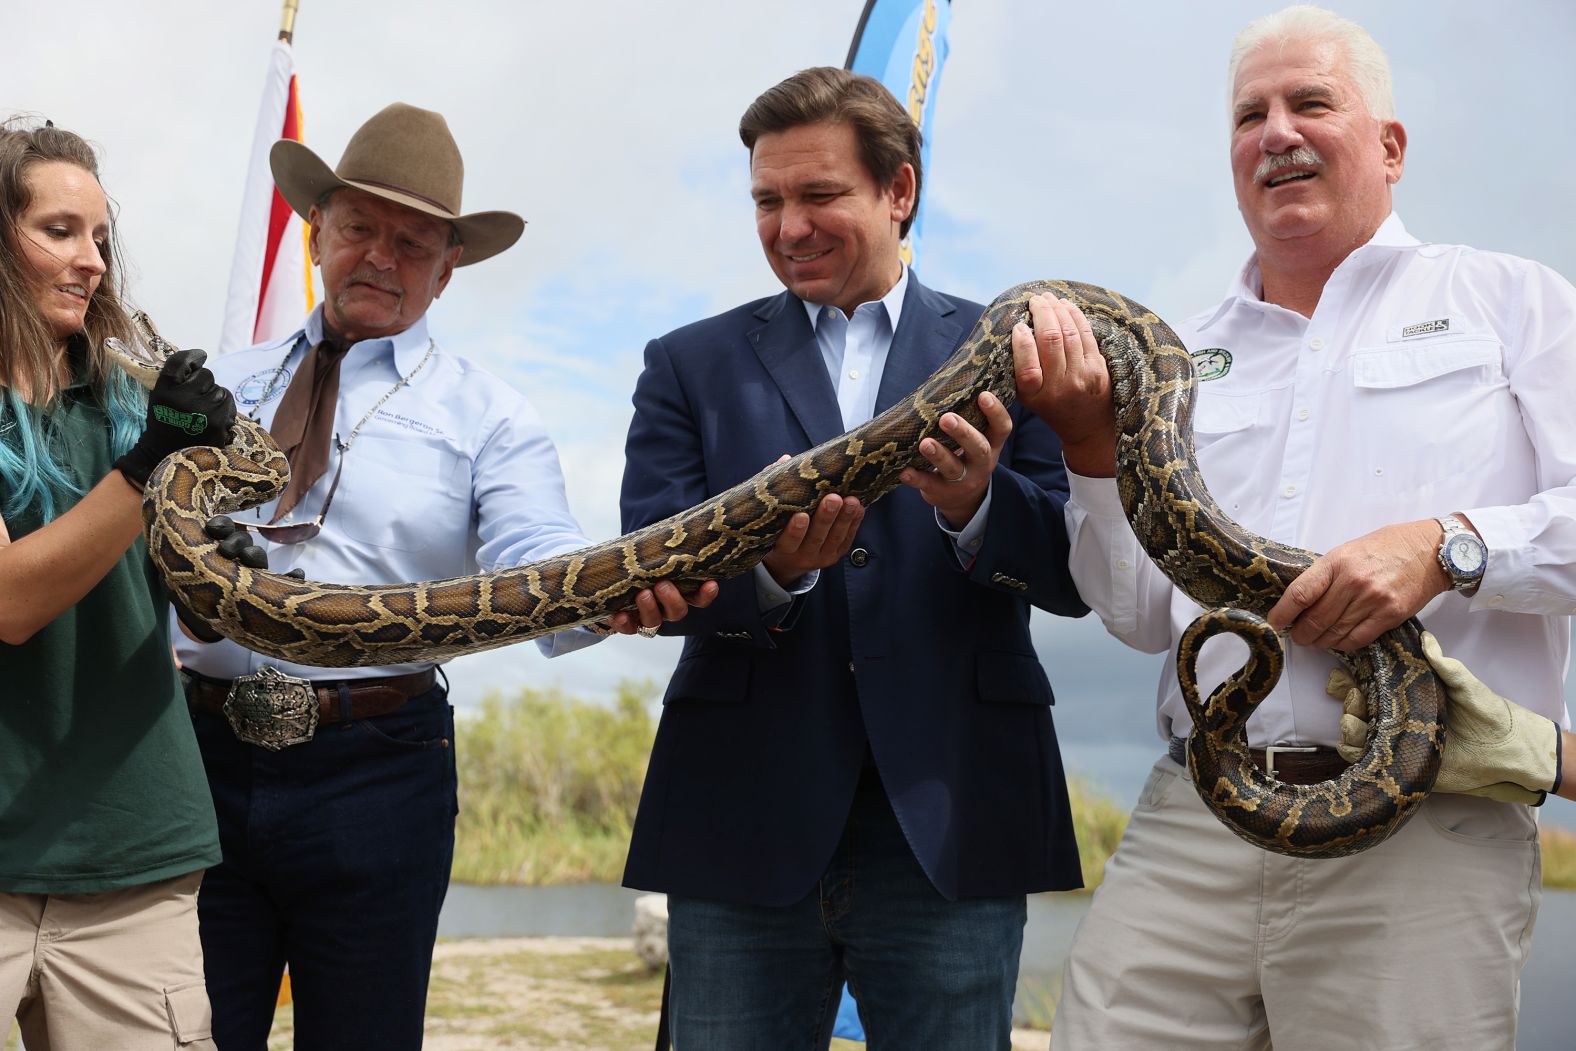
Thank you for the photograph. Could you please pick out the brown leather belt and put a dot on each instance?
(1302, 768)
(1293, 764)
(368, 697)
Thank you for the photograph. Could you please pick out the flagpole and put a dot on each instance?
(287, 20)
(270, 277)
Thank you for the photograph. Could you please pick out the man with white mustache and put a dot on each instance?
(1404, 407)
(407, 462)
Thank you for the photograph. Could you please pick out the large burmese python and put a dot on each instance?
(1211, 558)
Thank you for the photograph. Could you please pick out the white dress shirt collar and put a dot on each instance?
(408, 347)
(893, 301)
(1247, 288)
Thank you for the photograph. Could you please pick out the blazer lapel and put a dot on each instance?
(786, 345)
(926, 335)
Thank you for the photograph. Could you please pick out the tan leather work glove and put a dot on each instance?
(1493, 747)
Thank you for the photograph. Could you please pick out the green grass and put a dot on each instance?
(549, 786)
(1559, 857)
(1035, 1006)
(1099, 823)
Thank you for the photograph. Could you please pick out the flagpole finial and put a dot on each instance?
(287, 20)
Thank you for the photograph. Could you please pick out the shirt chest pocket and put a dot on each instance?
(1215, 418)
(404, 495)
(1428, 412)
(1222, 426)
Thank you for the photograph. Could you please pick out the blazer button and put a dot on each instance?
(859, 556)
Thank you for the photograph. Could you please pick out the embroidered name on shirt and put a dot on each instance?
(1426, 328)
(1211, 363)
(404, 422)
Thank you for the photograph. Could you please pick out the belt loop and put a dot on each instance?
(345, 712)
(444, 676)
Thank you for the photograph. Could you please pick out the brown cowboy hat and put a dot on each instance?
(405, 155)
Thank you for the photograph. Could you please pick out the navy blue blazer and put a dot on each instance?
(766, 719)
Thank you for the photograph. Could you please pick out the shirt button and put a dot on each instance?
(1316, 344)
(850, 667)
(1497, 601)
(1122, 563)
(853, 374)
(859, 556)
(1303, 414)
(1291, 490)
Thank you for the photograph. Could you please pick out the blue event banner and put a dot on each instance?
(903, 44)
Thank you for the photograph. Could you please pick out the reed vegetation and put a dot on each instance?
(549, 785)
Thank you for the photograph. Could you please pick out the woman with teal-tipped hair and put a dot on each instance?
(106, 825)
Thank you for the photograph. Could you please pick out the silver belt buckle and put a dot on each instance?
(271, 709)
(1271, 750)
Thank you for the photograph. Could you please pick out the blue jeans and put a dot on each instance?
(336, 861)
(927, 972)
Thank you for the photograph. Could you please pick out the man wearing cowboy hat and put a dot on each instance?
(407, 463)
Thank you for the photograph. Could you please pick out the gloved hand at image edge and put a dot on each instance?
(1493, 746)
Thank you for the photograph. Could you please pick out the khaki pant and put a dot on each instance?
(119, 970)
(1199, 940)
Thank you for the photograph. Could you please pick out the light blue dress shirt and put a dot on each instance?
(451, 476)
(855, 348)
(855, 351)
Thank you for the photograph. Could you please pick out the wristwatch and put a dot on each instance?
(1462, 553)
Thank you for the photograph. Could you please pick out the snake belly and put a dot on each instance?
(1205, 553)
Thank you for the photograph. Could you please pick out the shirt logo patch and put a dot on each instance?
(262, 386)
(1426, 328)
(1211, 363)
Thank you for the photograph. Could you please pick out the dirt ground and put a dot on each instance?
(548, 994)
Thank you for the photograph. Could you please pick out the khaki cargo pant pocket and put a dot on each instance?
(191, 1016)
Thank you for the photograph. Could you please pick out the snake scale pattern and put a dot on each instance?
(1207, 555)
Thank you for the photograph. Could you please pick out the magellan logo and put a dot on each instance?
(1426, 328)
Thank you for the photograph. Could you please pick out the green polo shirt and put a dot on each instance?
(101, 783)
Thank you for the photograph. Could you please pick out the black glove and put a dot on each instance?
(186, 407)
(234, 543)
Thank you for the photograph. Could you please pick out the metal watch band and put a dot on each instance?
(1454, 527)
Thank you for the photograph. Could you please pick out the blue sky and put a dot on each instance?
(1070, 141)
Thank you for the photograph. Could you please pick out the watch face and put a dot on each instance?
(1465, 554)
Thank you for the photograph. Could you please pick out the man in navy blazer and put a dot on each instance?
(856, 773)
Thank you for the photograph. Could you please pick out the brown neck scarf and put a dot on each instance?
(304, 424)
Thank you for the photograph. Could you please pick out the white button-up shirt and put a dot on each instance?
(453, 475)
(1430, 379)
